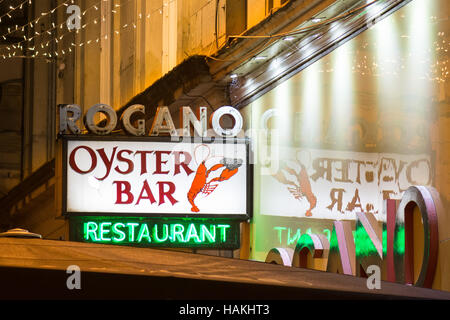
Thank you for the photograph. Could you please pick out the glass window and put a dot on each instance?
(357, 127)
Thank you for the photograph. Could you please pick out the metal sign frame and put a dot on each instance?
(235, 217)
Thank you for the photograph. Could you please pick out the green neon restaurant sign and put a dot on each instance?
(196, 233)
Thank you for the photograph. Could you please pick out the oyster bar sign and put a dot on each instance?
(155, 176)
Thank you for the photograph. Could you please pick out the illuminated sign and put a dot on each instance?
(152, 177)
(156, 232)
(162, 124)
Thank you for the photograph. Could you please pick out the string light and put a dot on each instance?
(12, 9)
(58, 38)
(49, 31)
(34, 22)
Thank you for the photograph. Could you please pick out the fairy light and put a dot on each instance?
(12, 9)
(32, 23)
(54, 27)
(57, 39)
(117, 31)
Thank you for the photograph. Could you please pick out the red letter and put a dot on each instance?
(159, 162)
(149, 196)
(123, 187)
(391, 211)
(144, 160)
(108, 162)
(184, 164)
(122, 159)
(421, 197)
(167, 194)
(73, 164)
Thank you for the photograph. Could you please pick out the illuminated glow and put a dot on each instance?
(165, 233)
(144, 232)
(342, 94)
(279, 230)
(104, 229)
(316, 19)
(176, 231)
(110, 176)
(286, 236)
(156, 232)
(327, 232)
(309, 123)
(306, 241)
(223, 231)
(275, 64)
(192, 233)
(295, 238)
(364, 246)
(90, 229)
(208, 235)
(399, 245)
(131, 227)
(116, 230)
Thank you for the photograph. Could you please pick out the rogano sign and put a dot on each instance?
(162, 124)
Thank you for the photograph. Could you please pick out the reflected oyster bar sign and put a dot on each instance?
(331, 184)
(152, 177)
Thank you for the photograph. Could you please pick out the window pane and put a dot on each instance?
(358, 126)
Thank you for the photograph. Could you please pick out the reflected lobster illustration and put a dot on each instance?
(301, 189)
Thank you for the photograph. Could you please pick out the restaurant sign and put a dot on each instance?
(155, 177)
(156, 232)
(156, 188)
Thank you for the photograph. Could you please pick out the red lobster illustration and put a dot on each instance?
(200, 185)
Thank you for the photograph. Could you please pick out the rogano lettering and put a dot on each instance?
(70, 114)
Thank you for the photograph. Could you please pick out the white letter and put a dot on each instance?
(66, 122)
(74, 281)
(109, 112)
(238, 122)
(373, 281)
(163, 115)
(200, 126)
(140, 130)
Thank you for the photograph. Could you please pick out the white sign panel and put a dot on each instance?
(330, 184)
(156, 178)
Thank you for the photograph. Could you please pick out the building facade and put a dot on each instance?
(345, 104)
